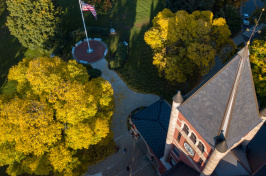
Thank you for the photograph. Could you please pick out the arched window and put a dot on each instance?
(201, 147)
(185, 129)
(193, 138)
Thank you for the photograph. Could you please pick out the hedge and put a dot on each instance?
(120, 56)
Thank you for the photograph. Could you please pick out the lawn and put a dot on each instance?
(131, 19)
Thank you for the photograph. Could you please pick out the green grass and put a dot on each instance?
(131, 19)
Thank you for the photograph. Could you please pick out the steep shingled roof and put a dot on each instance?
(230, 93)
(152, 123)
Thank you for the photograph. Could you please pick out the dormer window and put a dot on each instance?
(185, 129)
(201, 147)
(193, 138)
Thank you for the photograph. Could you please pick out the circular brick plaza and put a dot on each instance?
(80, 54)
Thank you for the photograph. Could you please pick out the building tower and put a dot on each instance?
(216, 119)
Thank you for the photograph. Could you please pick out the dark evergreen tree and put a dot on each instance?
(34, 23)
(191, 5)
(101, 6)
(232, 17)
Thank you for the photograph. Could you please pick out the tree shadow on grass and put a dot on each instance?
(139, 73)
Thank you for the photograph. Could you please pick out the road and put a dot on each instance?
(248, 8)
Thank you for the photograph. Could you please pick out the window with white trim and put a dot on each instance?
(178, 137)
(199, 162)
(193, 138)
(201, 147)
(186, 129)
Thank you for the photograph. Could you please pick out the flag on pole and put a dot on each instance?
(88, 7)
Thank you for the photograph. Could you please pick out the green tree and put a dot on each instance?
(52, 112)
(101, 6)
(185, 43)
(220, 4)
(258, 63)
(232, 17)
(34, 23)
(256, 15)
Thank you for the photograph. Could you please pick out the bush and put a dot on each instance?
(90, 29)
(88, 66)
(94, 73)
(120, 56)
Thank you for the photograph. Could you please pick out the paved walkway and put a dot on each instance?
(135, 157)
(126, 100)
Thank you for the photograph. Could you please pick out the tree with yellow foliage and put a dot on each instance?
(187, 43)
(258, 63)
(49, 111)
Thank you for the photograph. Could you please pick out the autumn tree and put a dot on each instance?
(49, 112)
(187, 43)
(258, 62)
(34, 23)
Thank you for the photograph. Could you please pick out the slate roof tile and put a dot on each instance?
(152, 123)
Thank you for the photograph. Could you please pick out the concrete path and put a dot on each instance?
(135, 157)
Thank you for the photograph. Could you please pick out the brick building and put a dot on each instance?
(209, 128)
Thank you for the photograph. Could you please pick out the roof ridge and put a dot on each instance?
(214, 76)
(231, 101)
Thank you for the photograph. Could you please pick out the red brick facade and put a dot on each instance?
(192, 161)
(156, 161)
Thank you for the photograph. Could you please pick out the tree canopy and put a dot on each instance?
(232, 17)
(48, 112)
(222, 3)
(101, 6)
(191, 5)
(258, 62)
(34, 23)
(187, 43)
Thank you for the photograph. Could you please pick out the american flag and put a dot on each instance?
(88, 7)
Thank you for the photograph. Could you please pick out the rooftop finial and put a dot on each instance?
(178, 97)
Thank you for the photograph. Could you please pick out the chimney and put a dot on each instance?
(177, 101)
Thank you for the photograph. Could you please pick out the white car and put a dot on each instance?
(245, 19)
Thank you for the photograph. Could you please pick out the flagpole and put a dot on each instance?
(90, 50)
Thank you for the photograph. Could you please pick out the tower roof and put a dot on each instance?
(178, 97)
(227, 102)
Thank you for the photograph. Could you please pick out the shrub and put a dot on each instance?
(120, 56)
(88, 66)
(94, 73)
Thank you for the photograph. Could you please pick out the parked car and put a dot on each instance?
(245, 19)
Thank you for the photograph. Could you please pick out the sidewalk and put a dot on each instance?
(126, 101)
